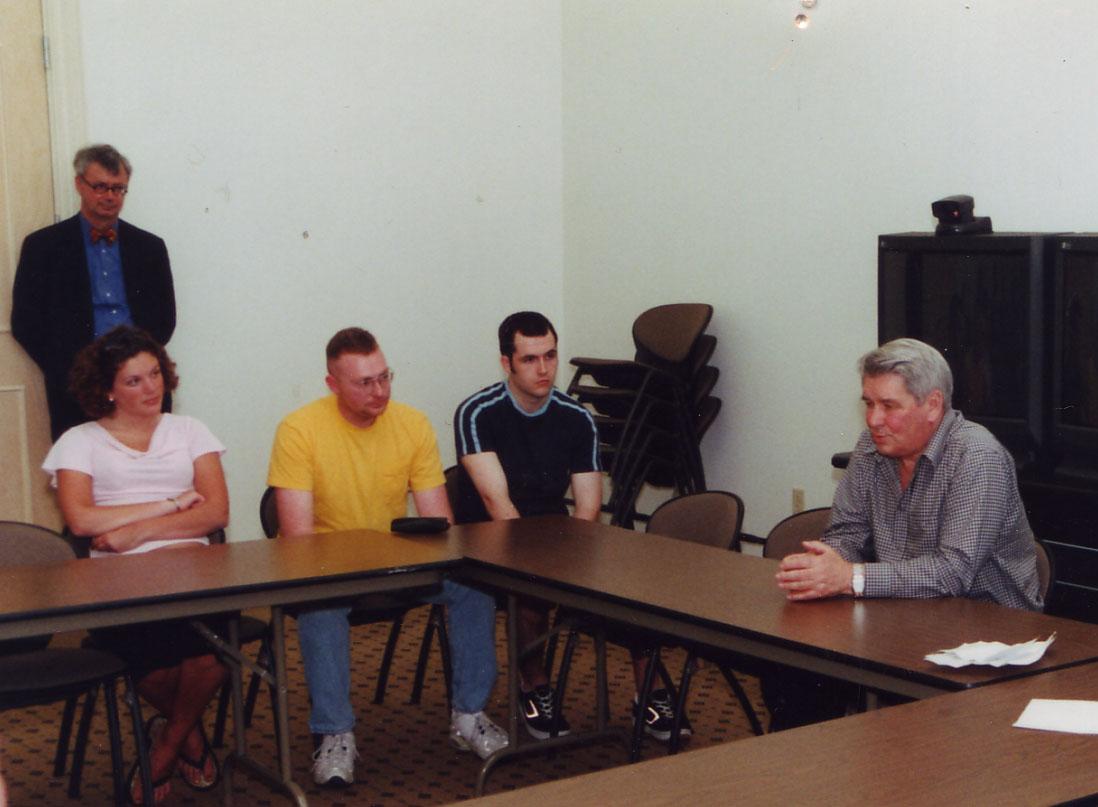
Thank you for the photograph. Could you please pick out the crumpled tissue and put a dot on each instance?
(994, 654)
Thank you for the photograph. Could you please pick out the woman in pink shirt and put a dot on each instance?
(136, 479)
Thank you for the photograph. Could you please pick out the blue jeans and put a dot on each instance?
(325, 638)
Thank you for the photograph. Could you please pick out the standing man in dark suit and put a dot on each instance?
(81, 277)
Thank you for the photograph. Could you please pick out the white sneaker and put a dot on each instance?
(334, 760)
(476, 733)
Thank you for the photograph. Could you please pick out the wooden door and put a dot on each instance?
(26, 204)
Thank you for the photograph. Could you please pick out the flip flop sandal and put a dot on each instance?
(134, 779)
(199, 765)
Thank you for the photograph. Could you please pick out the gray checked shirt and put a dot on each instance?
(959, 530)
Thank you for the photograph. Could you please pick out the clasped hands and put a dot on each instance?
(817, 572)
(129, 536)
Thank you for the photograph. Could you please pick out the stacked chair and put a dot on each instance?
(652, 411)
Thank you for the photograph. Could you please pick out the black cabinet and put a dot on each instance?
(1016, 316)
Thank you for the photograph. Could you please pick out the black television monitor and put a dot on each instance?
(1074, 406)
(980, 300)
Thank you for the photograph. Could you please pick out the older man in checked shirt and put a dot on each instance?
(928, 507)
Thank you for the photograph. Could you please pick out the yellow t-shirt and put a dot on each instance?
(359, 478)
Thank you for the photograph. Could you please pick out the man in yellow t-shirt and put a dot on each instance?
(348, 461)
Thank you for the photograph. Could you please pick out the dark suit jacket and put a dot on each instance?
(51, 313)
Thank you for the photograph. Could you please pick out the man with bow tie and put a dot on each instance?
(81, 277)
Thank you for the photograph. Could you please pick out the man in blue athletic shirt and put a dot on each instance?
(521, 443)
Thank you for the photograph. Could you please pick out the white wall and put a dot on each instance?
(452, 162)
(715, 153)
(312, 166)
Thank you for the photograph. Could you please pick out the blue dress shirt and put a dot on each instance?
(108, 287)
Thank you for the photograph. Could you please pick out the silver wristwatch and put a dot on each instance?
(858, 581)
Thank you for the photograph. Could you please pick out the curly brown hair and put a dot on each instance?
(93, 372)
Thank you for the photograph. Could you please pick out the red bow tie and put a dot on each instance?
(107, 234)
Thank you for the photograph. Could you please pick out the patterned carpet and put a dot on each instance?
(406, 756)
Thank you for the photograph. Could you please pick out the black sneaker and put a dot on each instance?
(537, 709)
(660, 716)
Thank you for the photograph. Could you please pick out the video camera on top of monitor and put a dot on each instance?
(954, 215)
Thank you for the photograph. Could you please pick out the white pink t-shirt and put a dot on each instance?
(122, 475)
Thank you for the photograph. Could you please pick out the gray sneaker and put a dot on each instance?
(476, 733)
(334, 760)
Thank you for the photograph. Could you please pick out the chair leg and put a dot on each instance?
(218, 740)
(436, 623)
(665, 676)
(551, 644)
(562, 680)
(565, 668)
(624, 512)
(745, 702)
(424, 653)
(438, 614)
(387, 660)
(680, 704)
(80, 748)
(642, 703)
(114, 730)
(263, 659)
(274, 715)
(64, 737)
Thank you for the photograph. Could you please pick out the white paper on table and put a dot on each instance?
(994, 654)
(1076, 717)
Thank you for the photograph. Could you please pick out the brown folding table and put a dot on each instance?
(699, 594)
(191, 581)
(955, 749)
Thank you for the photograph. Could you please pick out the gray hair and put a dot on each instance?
(922, 368)
(106, 156)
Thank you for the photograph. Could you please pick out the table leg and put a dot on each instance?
(513, 660)
(602, 733)
(281, 781)
(133, 701)
(282, 719)
(240, 749)
(602, 706)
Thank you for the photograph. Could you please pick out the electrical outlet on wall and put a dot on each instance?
(798, 500)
